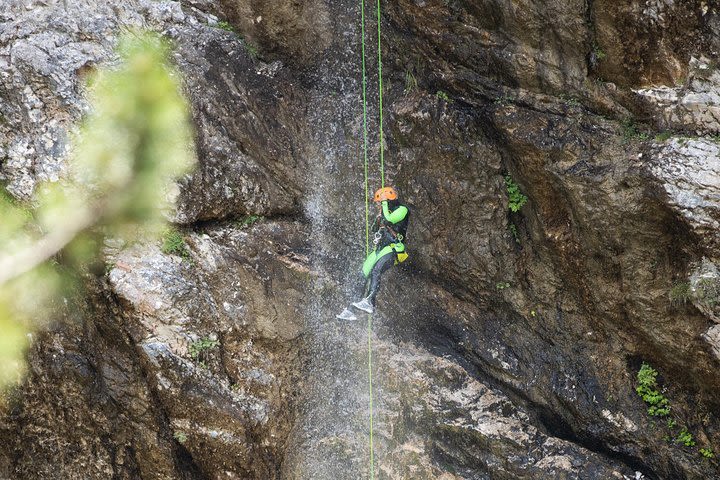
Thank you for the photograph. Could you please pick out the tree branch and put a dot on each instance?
(13, 266)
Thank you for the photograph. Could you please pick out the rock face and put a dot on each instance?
(506, 347)
(694, 108)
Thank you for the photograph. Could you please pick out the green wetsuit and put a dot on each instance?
(393, 228)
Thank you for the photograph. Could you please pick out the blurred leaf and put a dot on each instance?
(13, 342)
(128, 154)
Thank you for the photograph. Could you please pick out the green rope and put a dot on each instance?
(365, 131)
(367, 193)
(367, 226)
(380, 85)
(372, 460)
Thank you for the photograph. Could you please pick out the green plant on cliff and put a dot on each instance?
(707, 452)
(200, 349)
(514, 232)
(174, 244)
(503, 99)
(411, 83)
(249, 46)
(443, 96)
(685, 438)
(132, 145)
(659, 406)
(647, 388)
(599, 53)
(223, 25)
(570, 100)
(249, 220)
(707, 291)
(251, 49)
(180, 436)
(663, 136)
(630, 131)
(680, 293)
(516, 199)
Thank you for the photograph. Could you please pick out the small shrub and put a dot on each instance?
(570, 100)
(630, 131)
(443, 96)
(200, 349)
(662, 136)
(411, 83)
(671, 423)
(707, 291)
(248, 220)
(251, 49)
(658, 405)
(514, 231)
(502, 285)
(707, 452)
(225, 26)
(516, 198)
(503, 99)
(180, 437)
(174, 244)
(680, 293)
(599, 53)
(108, 267)
(685, 438)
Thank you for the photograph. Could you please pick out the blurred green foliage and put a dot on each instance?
(129, 152)
(12, 344)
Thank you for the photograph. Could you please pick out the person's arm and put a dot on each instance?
(396, 216)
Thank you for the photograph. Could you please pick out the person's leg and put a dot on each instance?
(367, 304)
(362, 288)
(380, 267)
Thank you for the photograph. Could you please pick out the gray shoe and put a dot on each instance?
(346, 315)
(364, 305)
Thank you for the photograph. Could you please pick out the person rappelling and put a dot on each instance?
(390, 228)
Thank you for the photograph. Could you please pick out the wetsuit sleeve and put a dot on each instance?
(397, 215)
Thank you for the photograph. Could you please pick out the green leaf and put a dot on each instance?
(13, 342)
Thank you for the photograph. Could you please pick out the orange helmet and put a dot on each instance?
(387, 193)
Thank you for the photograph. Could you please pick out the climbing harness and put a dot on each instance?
(376, 238)
(374, 256)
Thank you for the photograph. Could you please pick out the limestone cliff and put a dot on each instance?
(506, 347)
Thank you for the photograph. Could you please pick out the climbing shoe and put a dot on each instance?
(364, 305)
(346, 315)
